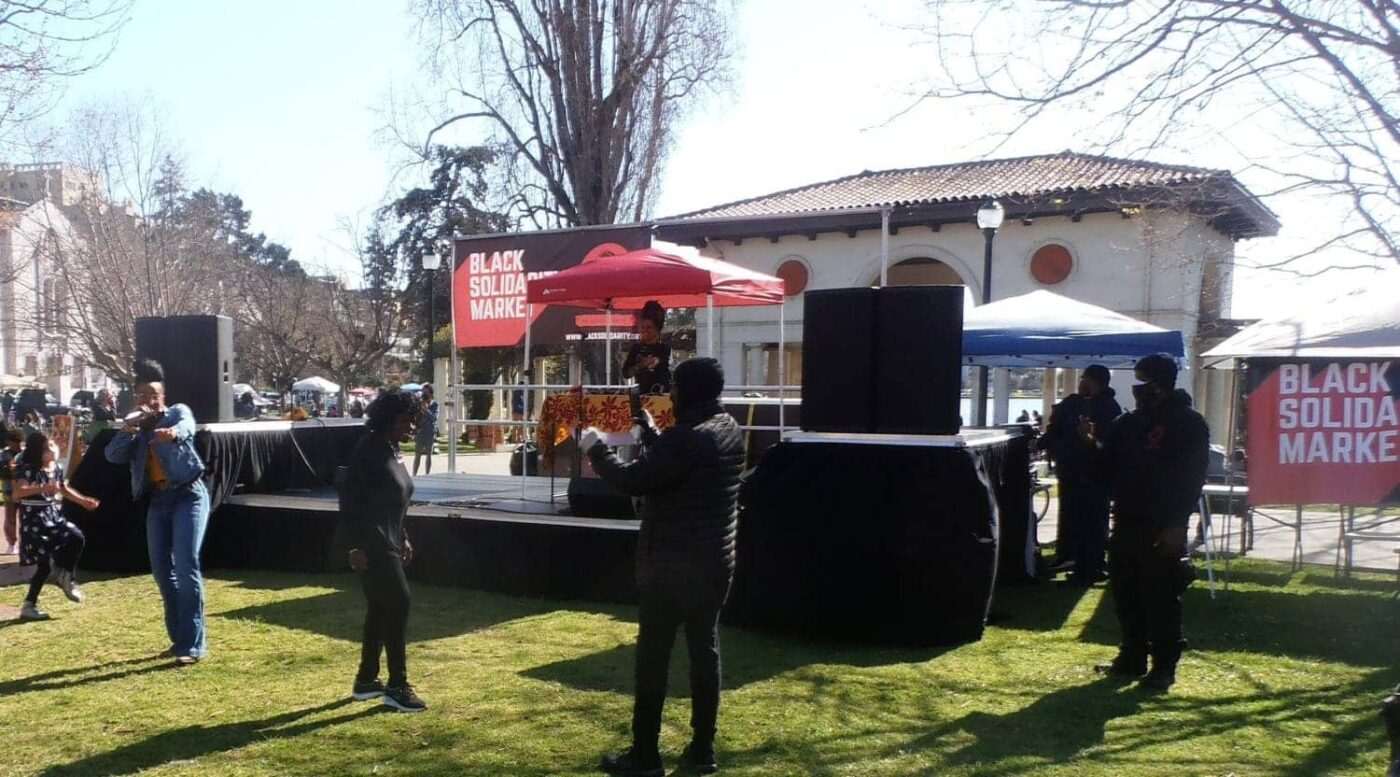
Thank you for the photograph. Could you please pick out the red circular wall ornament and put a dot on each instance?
(794, 275)
(1051, 263)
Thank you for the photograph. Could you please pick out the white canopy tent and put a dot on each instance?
(1362, 325)
(316, 385)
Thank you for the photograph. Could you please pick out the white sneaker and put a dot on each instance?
(64, 580)
(31, 612)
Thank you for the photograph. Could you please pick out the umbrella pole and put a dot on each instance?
(782, 365)
(525, 430)
(607, 346)
(710, 325)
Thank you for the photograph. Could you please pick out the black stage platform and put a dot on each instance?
(275, 509)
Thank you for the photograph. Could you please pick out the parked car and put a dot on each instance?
(39, 400)
(82, 398)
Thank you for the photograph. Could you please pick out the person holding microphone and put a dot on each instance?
(157, 442)
(688, 477)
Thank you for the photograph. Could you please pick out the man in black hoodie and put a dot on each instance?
(1155, 459)
(689, 478)
(1083, 490)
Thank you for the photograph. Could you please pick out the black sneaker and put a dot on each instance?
(630, 764)
(1159, 680)
(365, 690)
(403, 699)
(700, 758)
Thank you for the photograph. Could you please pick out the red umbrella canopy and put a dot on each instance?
(627, 281)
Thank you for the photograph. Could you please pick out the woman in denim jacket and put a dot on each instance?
(158, 443)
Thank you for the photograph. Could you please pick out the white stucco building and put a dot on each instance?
(34, 203)
(1155, 242)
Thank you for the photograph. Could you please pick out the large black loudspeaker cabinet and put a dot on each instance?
(918, 355)
(882, 360)
(838, 360)
(197, 354)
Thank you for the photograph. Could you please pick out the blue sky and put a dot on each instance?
(283, 103)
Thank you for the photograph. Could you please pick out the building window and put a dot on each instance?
(795, 276)
(1051, 264)
(31, 365)
(761, 364)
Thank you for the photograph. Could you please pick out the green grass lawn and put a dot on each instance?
(1284, 678)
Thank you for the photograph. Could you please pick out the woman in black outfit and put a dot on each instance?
(649, 359)
(374, 497)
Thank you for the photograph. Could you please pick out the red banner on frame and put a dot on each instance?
(1324, 433)
(490, 275)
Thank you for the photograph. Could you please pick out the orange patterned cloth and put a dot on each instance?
(561, 413)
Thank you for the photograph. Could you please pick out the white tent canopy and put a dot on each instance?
(1044, 329)
(1362, 325)
(316, 384)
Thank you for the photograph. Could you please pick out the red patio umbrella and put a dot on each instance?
(627, 281)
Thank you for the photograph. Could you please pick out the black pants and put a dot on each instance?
(662, 610)
(386, 619)
(64, 556)
(1084, 508)
(1147, 590)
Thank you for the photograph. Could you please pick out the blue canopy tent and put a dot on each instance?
(1044, 329)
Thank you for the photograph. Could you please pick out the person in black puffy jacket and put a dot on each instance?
(1155, 459)
(688, 477)
(1083, 491)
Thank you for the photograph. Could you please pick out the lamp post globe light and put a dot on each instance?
(989, 218)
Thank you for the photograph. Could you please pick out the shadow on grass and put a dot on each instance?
(435, 613)
(1043, 606)
(1310, 625)
(69, 678)
(197, 741)
(747, 658)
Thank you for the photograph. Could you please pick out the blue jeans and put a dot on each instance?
(175, 524)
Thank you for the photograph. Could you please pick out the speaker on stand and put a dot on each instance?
(197, 354)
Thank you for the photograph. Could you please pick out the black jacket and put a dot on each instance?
(1074, 458)
(689, 478)
(1156, 462)
(374, 492)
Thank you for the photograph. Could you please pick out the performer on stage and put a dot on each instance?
(47, 539)
(157, 442)
(689, 479)
(374, 493)
(1155, 458)
(1083, 489)
(649, 359)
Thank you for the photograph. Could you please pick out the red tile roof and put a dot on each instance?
(1023, 177)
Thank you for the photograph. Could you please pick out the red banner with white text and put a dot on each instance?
(491, 272)
(1324, 433)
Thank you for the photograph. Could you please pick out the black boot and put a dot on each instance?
(700, 757)
(1164, 661)
(634, 764)
(1390, 713)
(1130, 663)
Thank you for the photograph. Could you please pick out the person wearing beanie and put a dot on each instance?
(1083, 490)
(1155, 459)
(649, 359)
(688, 477)
(157, 442)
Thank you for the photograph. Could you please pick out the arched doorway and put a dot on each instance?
(922, 270)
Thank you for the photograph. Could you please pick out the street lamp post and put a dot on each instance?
(989, 218)
(431, 263)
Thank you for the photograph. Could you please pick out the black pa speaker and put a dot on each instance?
(594, 498)
(197, 354)
(838, 361)
(918, 350)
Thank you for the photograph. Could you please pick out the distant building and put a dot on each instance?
(36, 202)
(1152, 241)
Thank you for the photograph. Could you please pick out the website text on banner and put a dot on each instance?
(1324, 433)
(490, 275)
